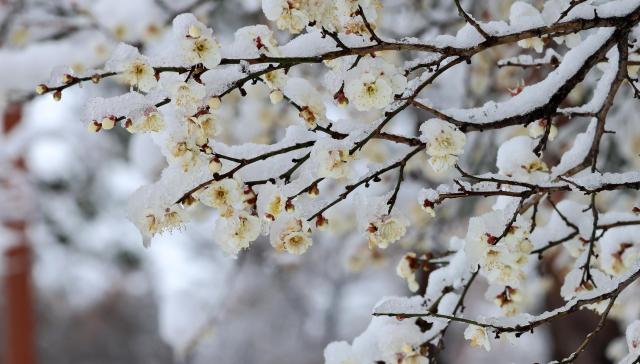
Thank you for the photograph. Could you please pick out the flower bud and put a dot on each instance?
(215, 165)
(41, 89)
(289, 207)
(108, 122)
(321, 223)
(67, 79)
(314, 190)
(57, 95)
(276, 96)
(96, 78)
(94, 126)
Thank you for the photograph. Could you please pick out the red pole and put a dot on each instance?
(19, 346)
(19, 313)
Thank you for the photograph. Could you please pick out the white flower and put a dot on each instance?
(237, 231)
(134, 69)
(535, 43)
(386, 230)
(444, 143)
(224, 195)
(187, 97)
(150, 121)
(202, 128)
(258, 37)
(406, 269)
(332, 163)
(478, 337)
(271, 202)
(501, 260)
(537, 128)
(427, 198)
(509, 300)
(197, 43)
(140, 74)
(291, 234)
(303, 93)
(276, 80)
(157, 222)
(368, 93)
(516, 159)
(372, 84)
(288, 14)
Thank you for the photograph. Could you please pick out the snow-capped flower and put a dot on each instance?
(225, 195)
(368, 93)
(271, 202)
(516, 159)
(536, 43)
(303, 93)
(291, 234)
(134, 69)
(372, 84)
(276, 80)
(509, 300)
(386, 230)
(257, 37)
(150, 121)
(444, 143)
(202, 128)
(157, 222)
(197, 43)
(477, 336)
(237, 231)
(537, 129)
(140, 74)
(501, 260)
(288, 14)
(524, 16)
(332, 163)
(426, 199)
(187, 97)
(406, 269)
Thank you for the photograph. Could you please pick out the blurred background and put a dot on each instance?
(78, 287)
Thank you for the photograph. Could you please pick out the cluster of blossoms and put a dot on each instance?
(273, 190)
(501, 255)
(335, 16)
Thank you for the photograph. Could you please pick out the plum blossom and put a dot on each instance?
(525, 15)
(406, 269)
(291, 234)
(501, 260)
(197, 43)
(288, 14)
(134, 68)
(372, 84)
(236, 232)
(444, 143)
(332, 163)
(271, 202)
(225, 195)
(477, 336)
(385, 230)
